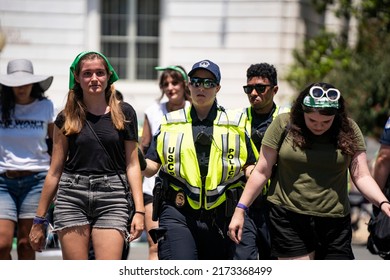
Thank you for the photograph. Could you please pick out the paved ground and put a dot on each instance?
(139, 251)
(139, 248)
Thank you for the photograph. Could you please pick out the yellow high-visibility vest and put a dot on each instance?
(228, 154)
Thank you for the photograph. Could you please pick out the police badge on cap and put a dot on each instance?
(209, 66)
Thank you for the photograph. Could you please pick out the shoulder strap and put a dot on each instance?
(105, 150)
(284, 134)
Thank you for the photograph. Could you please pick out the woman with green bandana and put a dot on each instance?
(314, 148)
(91, 187)
(173, 83)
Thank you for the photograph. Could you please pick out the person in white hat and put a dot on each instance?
(26, 124)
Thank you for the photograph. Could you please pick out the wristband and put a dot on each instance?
(242, 206)
(140, 212)
(40, 221)
(383, 202)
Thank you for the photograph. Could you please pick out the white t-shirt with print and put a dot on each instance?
(23, 143)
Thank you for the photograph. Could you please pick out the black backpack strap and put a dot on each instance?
(284, 134)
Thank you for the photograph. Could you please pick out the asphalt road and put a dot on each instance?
(139, 251)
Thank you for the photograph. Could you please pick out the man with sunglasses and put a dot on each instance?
(203, 153)
(261, 87)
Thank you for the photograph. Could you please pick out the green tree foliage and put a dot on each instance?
(360, 72)
(319, 56)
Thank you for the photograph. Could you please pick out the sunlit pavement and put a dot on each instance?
(139, 251)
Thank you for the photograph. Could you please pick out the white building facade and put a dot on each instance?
(140, 34)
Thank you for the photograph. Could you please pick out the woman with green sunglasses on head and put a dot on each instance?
(308, 194)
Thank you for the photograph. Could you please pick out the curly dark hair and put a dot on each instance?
(341, 130)
(7, 100)
(263, 70)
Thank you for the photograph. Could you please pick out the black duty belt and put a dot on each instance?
(179, 200)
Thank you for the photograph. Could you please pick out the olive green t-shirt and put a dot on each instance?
(312, 181)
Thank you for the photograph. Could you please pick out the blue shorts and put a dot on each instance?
(19, 197)
(99, 201)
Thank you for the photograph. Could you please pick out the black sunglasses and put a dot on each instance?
(206, 83)
(260, 88)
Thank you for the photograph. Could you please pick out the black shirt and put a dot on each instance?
(86, 156)
(259, 125)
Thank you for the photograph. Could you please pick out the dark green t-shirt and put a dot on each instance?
(312, 181)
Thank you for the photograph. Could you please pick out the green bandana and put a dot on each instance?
(114, 77)
(178, 69)
(323, 102)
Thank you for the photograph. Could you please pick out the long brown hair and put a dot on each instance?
(75, 110)
(342, 134)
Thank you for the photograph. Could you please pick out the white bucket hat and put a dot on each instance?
(20, 72)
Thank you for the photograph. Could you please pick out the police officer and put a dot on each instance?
(261, 87)
(205, 155)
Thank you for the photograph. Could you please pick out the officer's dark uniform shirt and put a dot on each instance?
(259, 125)
(203, 138)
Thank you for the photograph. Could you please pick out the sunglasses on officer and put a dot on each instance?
(331, 94)
(205, 83)
(260, 88)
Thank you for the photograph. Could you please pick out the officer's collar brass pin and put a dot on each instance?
(180, 199)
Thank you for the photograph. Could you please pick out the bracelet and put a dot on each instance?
(383, 202)
(242, 206)
(40, 221)
(140, 212)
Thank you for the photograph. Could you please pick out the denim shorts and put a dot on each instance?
(19, 197)
(96, 200)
